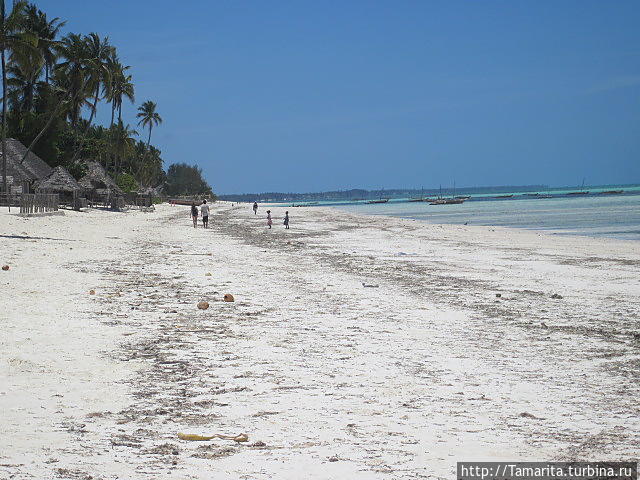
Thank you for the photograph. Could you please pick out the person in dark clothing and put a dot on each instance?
(255, 208)
(286, 220)
(194, 214)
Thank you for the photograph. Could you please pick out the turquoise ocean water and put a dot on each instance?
(595, 214)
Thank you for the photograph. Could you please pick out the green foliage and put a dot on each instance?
(127, 182)
(55, 86)
(183, 179)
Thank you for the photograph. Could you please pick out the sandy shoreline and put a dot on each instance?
(324, 375)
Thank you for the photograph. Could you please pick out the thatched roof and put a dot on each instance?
(59, 181)
(33, 168)
(98, 179)
(153, 191)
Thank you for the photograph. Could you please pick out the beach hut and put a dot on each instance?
(146, 195)
(22, 175)
(100, 186)
(61, 182)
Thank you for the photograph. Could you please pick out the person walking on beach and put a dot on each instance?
(286, 220)
(269, 222)
(255, 208)
(194, 214)
(204, 209)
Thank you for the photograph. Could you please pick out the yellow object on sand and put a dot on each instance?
(202, 438)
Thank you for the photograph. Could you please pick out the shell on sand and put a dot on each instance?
(5, 267)
(203, 305)
(92, 292)
(228, 297)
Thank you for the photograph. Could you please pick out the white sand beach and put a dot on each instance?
(422, 366)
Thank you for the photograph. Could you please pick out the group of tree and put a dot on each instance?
(183, 179)
(53, 86)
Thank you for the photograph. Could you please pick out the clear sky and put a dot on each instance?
(321, 95)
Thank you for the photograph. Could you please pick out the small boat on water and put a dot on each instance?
(447, 201)
(421, 198)
(545, 195)
(463, 197)
(582, 191)
(504, 196)
(381, 200)
(611, 192)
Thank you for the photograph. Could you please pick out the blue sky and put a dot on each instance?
(309, 96)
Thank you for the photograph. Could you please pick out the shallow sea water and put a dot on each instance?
(615, 216)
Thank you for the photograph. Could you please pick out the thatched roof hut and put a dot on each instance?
(98, 179)
(23, 173)
(60, 180)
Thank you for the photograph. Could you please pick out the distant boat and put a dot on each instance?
(582, 191)
(463, 197)
(381, 199)
(545, 195)
(504, 196)
(611, 192)
(531, 194)
(446, 201)
(418, 199)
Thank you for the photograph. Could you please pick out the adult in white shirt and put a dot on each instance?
(204, 211)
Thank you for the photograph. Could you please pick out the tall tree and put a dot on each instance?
(122, 144)
(99, 51)
(47, 32)
(120, 87)
(148, 117)
(71, 74)
(15, 40)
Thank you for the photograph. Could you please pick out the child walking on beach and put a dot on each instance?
(194, 214)
(204, 209)
(286, 220)
(269, 222)
(255, 208)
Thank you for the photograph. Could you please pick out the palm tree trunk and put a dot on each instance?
(113, 111)
(53, 116)
(93, 112)
(149, 141)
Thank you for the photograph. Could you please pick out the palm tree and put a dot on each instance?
(148, 117)
(99, 51)
(47, 31)
(122, 143)
(24, 71)
(13, 39)
(149, 169)
(71, 74)
(119, 87)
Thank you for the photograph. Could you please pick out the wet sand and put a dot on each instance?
(424, 366)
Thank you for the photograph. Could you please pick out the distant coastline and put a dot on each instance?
(364, 194)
